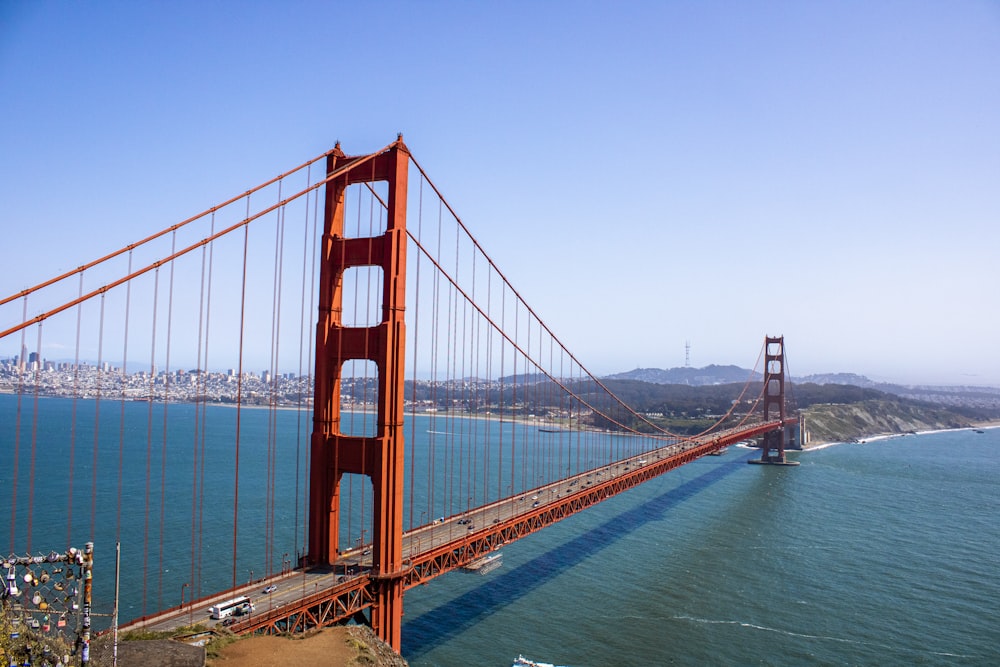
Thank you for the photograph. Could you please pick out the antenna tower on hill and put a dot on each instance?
(687, 354)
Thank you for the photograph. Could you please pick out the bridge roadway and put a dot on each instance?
(321, 596)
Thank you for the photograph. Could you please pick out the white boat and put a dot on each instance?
(521, 661)
(486, 564)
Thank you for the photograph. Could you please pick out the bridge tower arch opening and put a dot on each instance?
(379, 455)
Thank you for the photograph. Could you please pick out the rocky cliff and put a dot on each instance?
(855, 421)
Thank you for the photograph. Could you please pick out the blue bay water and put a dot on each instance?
(882, 553)
(204, 498)
(876, 554)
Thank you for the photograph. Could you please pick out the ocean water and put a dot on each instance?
(882, 553)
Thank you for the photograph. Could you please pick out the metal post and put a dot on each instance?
(88, 566)
(114, 620)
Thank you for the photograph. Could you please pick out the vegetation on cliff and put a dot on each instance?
(837, 413)
(855, 421)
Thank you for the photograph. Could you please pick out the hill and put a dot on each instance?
(833, 412)
(695, 377)
(950, 395)
(856, 421)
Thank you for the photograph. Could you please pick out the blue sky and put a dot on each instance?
(645, 173)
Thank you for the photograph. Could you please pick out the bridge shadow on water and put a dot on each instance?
(433, 628)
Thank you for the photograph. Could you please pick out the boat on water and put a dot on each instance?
(718, 452)
(521, 661)
(486, 564)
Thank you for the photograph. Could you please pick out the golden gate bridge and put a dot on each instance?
(394, 409)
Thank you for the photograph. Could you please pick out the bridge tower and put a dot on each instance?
(333, 453)
(773, 443)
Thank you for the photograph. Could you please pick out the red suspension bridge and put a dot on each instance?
(391, 409)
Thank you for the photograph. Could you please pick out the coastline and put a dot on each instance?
(890, 436)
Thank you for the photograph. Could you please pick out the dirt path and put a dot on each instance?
(334, 647)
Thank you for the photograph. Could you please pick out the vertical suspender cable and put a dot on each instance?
(166, 404)
(519, 427)
(454, 432)
(439, 456)
(199, 416)
(272, 402)
(202, 435)
(298, 393)
(501, 398)
(277, 372)
(97, 424)
(416, 340)
(559, 445)
(513, 406)
(532, 399)
(487, 454)
(449, 404)
(435, 349)
(72, 432)
(465, 469)
(121, 422)
(309, 355)
(475, 354)
(239, 393)
(149, 439)
(17, 433)
(34, 442)
(462, 400)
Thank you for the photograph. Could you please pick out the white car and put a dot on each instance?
(270, 589)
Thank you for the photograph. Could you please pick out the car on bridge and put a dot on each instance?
(270, 589)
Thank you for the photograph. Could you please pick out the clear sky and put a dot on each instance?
(645, 173)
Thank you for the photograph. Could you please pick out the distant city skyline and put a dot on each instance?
(138, 369)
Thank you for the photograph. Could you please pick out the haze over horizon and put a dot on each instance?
(799, 376)
(645, 174)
